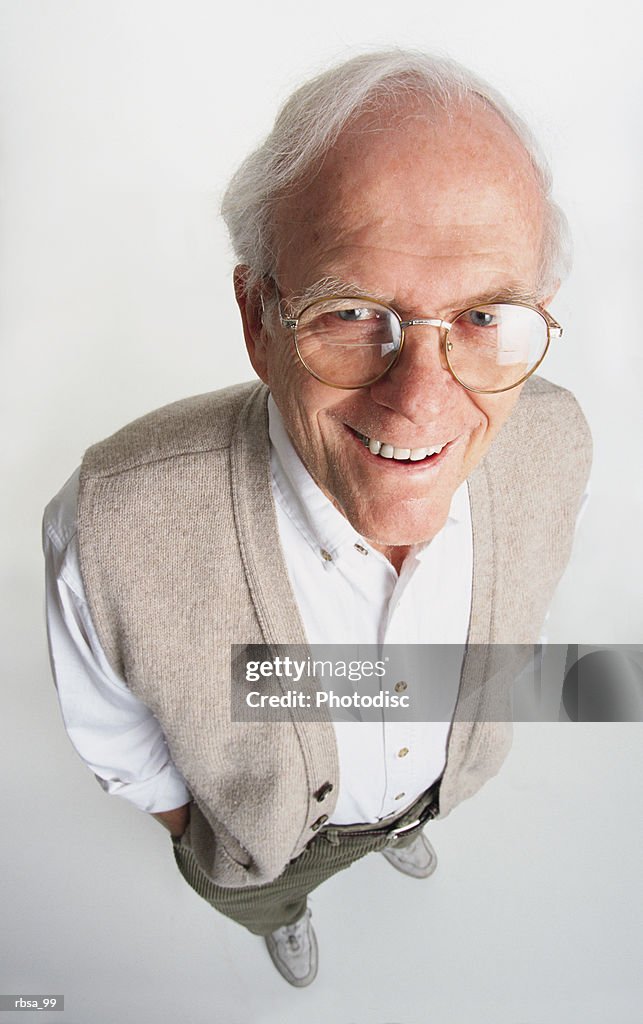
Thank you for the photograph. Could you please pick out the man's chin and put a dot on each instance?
(401, 534)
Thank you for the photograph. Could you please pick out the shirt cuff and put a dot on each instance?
(164, 792)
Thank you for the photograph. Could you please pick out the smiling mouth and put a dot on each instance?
(384, 450)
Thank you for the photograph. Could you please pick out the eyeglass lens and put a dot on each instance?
(349, 343)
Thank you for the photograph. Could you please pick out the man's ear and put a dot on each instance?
(250, 302)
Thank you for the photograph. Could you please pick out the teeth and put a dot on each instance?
(389, 451)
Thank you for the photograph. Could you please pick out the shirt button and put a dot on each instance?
(400, 795)
(320, 821)
(362, 550)
(402, 752)
(400, 687)
(326, 555)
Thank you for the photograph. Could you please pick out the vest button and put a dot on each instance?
(320, 821)
(323, 792)
(400, 687)
(402, 752)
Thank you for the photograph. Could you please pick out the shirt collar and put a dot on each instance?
(323, 526)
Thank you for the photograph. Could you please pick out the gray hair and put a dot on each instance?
(312, 119)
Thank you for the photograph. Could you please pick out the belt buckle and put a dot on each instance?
(427, 815)
(397, 832)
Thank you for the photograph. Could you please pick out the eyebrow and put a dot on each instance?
(333, 286)
(514, 291)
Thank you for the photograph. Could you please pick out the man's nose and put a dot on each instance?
(419, 385)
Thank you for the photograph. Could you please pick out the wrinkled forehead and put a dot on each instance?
(432, 178)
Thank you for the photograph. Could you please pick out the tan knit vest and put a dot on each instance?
(180, 557)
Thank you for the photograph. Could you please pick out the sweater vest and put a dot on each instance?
(181, 558)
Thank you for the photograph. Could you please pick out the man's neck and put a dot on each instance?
(395, 555)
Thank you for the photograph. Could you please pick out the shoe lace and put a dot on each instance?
(295, 933)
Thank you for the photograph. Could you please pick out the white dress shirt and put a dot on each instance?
(347, 593)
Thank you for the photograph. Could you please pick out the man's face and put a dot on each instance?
(430, 218)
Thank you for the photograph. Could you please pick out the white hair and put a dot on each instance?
(311, 120)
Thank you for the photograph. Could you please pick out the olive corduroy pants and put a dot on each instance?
(262, 909)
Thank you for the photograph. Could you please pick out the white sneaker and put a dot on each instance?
(293, 951)
(419, 859)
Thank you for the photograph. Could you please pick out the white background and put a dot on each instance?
(122, 122)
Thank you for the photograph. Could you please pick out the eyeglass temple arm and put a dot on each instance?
(286, 321)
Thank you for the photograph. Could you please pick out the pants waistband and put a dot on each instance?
(416, 816)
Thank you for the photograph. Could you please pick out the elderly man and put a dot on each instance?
(397, 477)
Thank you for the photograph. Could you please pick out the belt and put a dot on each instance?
(424, 809)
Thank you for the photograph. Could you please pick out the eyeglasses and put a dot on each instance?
(350, 342)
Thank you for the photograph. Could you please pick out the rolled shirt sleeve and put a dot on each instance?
(114, 733)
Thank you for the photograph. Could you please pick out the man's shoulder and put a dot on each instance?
(547, 411)
(200, 423)
(546, 436)
(539, 388)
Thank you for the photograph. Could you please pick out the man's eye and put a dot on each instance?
(478, 318)
(356, 314)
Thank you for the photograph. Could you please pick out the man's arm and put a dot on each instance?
(176, 821)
